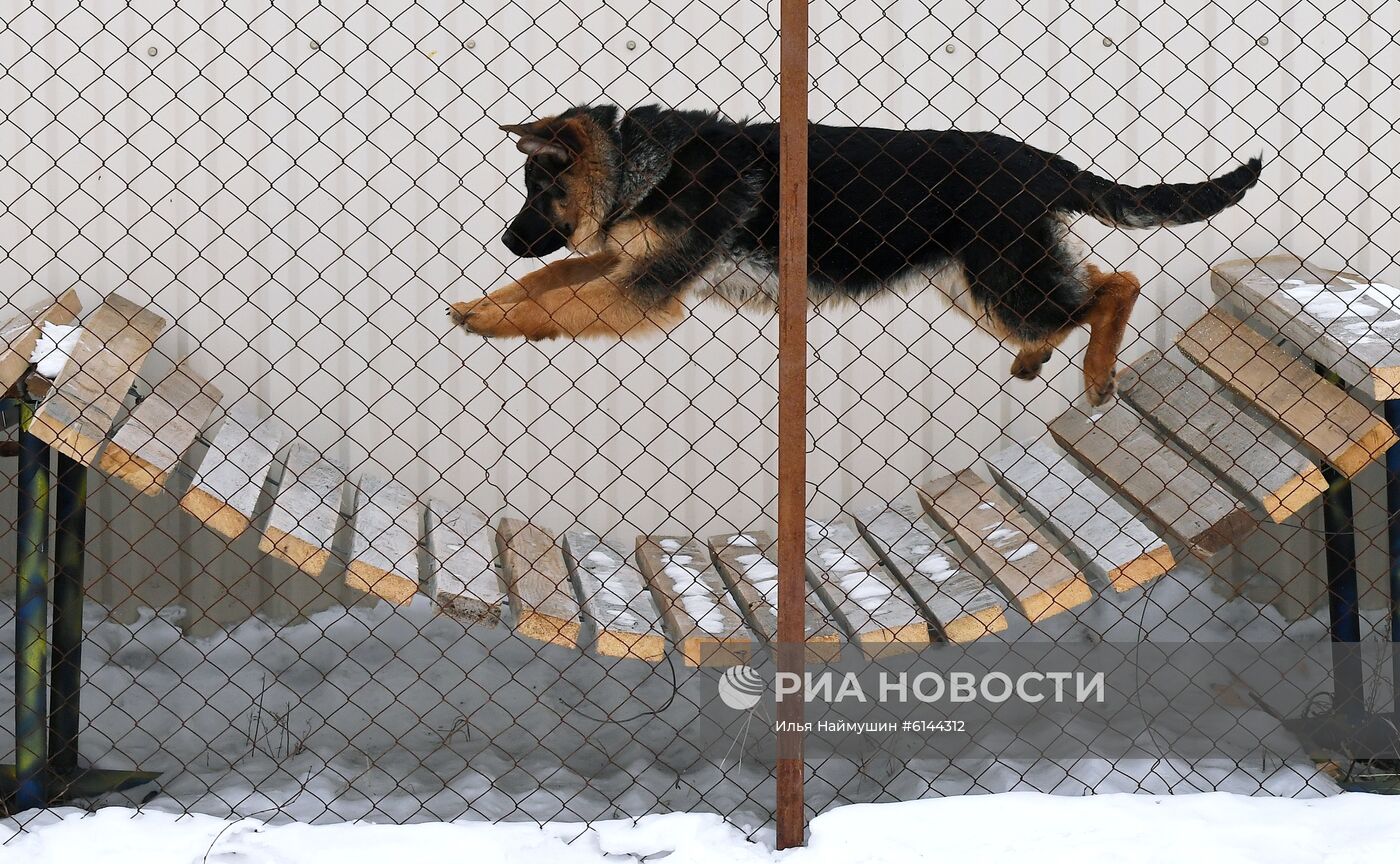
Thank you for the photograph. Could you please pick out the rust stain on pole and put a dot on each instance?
(792, 406)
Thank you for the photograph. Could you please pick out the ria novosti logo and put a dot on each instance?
(741, 687)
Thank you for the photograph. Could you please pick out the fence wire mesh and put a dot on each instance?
(365, 541)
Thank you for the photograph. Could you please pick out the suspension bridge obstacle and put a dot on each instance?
(1208, 438)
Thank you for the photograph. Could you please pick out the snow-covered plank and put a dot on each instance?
(1344, 321)
(462, 580)
(621, 616)
(1111, 542)
(20, 334)
(698, 610)
(1021, 559)
(146, 453)
(962, 607)
(87, 395)
(746, 562)
(1326, 419)
(234, 473)
(1123, 449)
(880, 614)
(384, 540)
(306, 512)
(1247, 451)
(542, 600)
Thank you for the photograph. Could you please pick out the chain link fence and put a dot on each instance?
(346, 559)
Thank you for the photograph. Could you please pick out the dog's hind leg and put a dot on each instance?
(1032, 357)
(1114, 296)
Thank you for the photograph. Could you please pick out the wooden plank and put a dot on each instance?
(1137, 463)
(1327, 420)
(1344, 321)
(87, 395)
(1250, 453)
(537, 581)
(1016, 554)
(1111, 542)
(962, 607)
(232, 477)
(462, 579)
(747, 563)
(305, 513)
(384, 540)
(147, 451)
(622, 617)
(881, 615)
(698, 610)
(21, 333)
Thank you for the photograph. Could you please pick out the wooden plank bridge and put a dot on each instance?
(1211, 435)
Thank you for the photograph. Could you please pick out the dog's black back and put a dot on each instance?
(885, 205)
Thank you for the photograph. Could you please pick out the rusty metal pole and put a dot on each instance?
(792, 408)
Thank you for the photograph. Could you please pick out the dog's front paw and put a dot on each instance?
(484, 317)
(1099, 392)
(460, 313)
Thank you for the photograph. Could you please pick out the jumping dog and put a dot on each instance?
(661, 203)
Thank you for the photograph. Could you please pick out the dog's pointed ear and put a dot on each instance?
(648, 145)
(539, 138)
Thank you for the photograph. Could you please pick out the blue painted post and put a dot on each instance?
(70, 538)
(31, 618)
(1343, 596)
(1392, 501)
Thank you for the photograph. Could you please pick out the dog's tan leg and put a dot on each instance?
(1114, 297)
(550, 277)
(596, 308)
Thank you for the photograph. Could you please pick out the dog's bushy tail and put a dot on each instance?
(1162, 203)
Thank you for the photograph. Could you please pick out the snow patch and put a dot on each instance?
(1027, 549)
(1003, 534)
(54, 348)
(761, 574)
(698, 601)
(936, 566)
(1351, 828)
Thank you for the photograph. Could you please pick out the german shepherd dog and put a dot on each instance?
(659, 203)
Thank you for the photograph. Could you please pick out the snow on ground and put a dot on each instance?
(1018, 826)
(399, 715)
